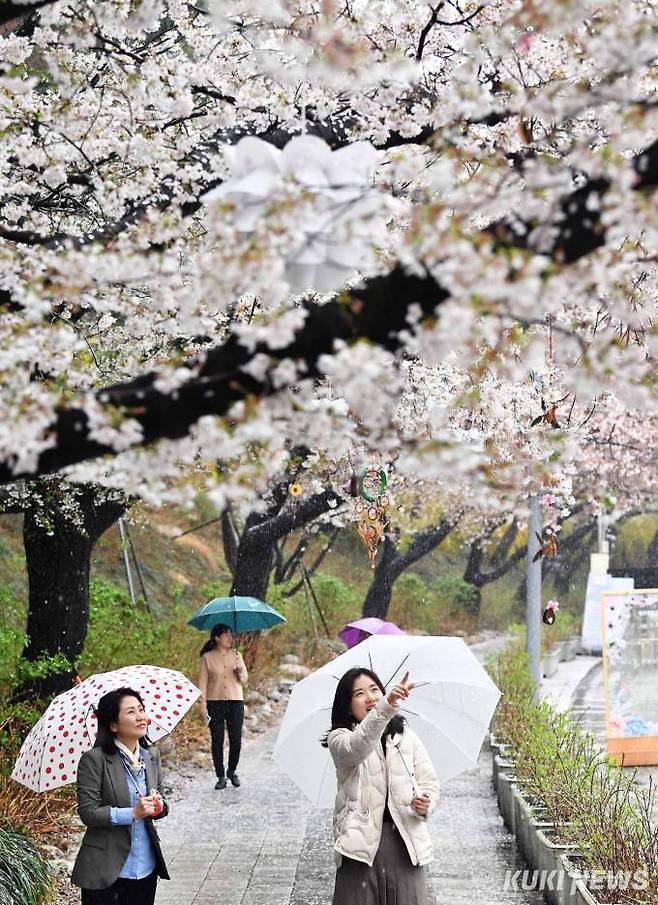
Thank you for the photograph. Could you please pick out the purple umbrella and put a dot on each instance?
(357, 631)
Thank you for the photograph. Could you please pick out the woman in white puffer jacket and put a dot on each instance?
(387, 788)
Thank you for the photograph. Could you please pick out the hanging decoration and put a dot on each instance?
(549, 413)
(547, 547)
(372, 484)
(550, 613)
(371, 508)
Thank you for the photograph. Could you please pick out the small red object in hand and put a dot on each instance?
(157, 802)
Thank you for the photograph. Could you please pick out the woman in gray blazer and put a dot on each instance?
(119, 797)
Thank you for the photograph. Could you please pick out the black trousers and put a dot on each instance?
(123, 892)
(230, 713)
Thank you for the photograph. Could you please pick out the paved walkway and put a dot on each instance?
(563, 688)
(238, 846)
(262, 844)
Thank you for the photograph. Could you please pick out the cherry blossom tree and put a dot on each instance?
(512, 143)
(402, 229)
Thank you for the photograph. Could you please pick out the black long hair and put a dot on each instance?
(341, 718)
(107, 712)
(215, 632)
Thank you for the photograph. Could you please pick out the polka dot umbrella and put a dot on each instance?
(50, 754)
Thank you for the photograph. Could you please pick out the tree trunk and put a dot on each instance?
(378, 598)
(254, 560)
(391, 564)
(58, 561)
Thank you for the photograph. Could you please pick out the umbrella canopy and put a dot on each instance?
(51, 752)
(353, 632)
(450, 709)
(241, 614)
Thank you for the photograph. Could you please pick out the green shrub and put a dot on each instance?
(24, 878)
(122, 633)
(443, 607)
(456, 593)
(215, 588)
(12, 635)
(46, 665)
(338, 602)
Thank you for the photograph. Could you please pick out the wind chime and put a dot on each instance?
(371, 507)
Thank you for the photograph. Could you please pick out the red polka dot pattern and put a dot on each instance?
(50, 754)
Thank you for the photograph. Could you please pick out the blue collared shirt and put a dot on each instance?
(141, 861)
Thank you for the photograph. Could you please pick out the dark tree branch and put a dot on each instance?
(503, 567)
(230, 538)
(315, 565)
(336, 134)
(296, 516)
(473, 566)
(475, 574)
(422, 544)
(377, 312)
(391, 564)
(434, 20)
(506, 543)
(12, 12)
(285, 568)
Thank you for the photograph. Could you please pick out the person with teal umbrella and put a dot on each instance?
(223, 672)
(221, 677)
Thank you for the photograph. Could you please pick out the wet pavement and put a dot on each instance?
(262, 844)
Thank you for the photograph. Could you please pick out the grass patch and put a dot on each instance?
(24, 878)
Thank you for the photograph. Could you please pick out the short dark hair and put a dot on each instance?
(107, 712)
(341, 718)
(215, 632)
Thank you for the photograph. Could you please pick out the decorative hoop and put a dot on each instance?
(383, 482)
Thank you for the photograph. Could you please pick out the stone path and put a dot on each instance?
(262, 844)
(238, 846)
(588, 707)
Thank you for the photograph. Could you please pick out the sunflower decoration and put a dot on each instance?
(371, 508)
(295, 489)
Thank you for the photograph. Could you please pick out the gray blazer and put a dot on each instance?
(102, 784)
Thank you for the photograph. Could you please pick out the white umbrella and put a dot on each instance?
(50, 754)
(450, 709)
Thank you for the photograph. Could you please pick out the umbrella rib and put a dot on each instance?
(397, 669)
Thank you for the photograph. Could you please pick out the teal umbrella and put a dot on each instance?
(241, 614)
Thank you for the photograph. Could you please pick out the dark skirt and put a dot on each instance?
(392, 879)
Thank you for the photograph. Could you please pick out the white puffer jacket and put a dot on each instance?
(364, 775)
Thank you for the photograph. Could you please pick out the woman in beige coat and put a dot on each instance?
(221, 677)
(387, 788)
